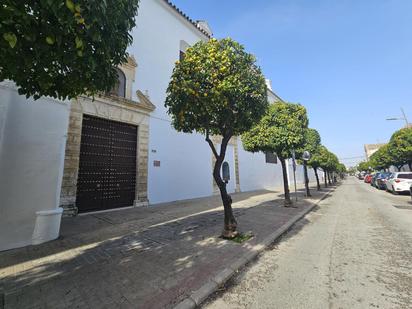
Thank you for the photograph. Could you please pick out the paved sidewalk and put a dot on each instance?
(153, 257)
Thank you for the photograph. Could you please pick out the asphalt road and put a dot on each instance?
(353, 251)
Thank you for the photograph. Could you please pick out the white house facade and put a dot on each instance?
(32, 147)
(180, 164)
(118, 149)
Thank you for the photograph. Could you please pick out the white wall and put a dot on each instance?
(32, 143)
(185, 169)
(394, 169)
(156, 46)
(185, 159)
(272, 97)
(255, 173)
(311, 175)
(300, 175)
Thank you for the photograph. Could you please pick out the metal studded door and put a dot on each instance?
(107, 167)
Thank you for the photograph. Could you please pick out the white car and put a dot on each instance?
(399, 182)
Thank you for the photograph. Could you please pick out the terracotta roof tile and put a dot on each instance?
(187, 18)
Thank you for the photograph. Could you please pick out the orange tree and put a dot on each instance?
(317, 161)
(364, 166)
(328, 162)
(381, 159)
(281, 131)
(311, 144)
(400, 148)
(64, 48)
(217, 89)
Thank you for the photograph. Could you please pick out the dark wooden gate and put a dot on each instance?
(107, 167)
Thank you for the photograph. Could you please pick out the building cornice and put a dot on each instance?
(143, 105)
(187, 18)
(277, 97)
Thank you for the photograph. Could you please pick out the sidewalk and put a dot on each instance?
(153, 257)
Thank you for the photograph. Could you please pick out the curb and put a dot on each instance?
(198, 296)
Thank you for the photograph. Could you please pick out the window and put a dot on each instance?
(181, 55)
(271, 158)
(405, 176)
(119, 89)
(183, 46)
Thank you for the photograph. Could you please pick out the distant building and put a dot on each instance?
(370, 149)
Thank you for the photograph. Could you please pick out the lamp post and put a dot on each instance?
(401, 118)
(294, 173)
(306, 158)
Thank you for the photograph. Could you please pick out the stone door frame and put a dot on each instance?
(111, 108)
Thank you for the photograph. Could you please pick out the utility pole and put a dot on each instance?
(404, 117)
(401, 118)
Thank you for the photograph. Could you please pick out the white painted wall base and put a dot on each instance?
(32, 145)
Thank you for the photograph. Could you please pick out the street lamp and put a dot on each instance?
(306, 158)
(294, 172)
(306, 155)
(401, 118)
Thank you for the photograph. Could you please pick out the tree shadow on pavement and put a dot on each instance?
(147, 267)
(91, 228)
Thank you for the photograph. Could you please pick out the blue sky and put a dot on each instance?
(348, 62)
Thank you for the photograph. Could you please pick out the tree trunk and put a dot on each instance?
(326, 178)
(305, 170)
(410, 166)
(230, 224)
(315, 169)
(288, 202)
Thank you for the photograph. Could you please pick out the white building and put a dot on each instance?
(121, 149)
(185, 159)
(32, 143)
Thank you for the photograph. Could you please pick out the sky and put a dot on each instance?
(349, 62)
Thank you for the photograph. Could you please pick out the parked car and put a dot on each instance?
(368, 178)
(373, 180)
(410, 190)
(399, 182)
(361, 176)
(381, 180)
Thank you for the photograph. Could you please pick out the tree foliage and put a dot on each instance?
(400, 147)
(217, 89)
(352, 170)
(326, 159)
(312, 141)
(311, 144)
(64, 48)
(319, 157)
(363, 166)
(281, 130)
(381, 159)
(341, 168)
(333, 163)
